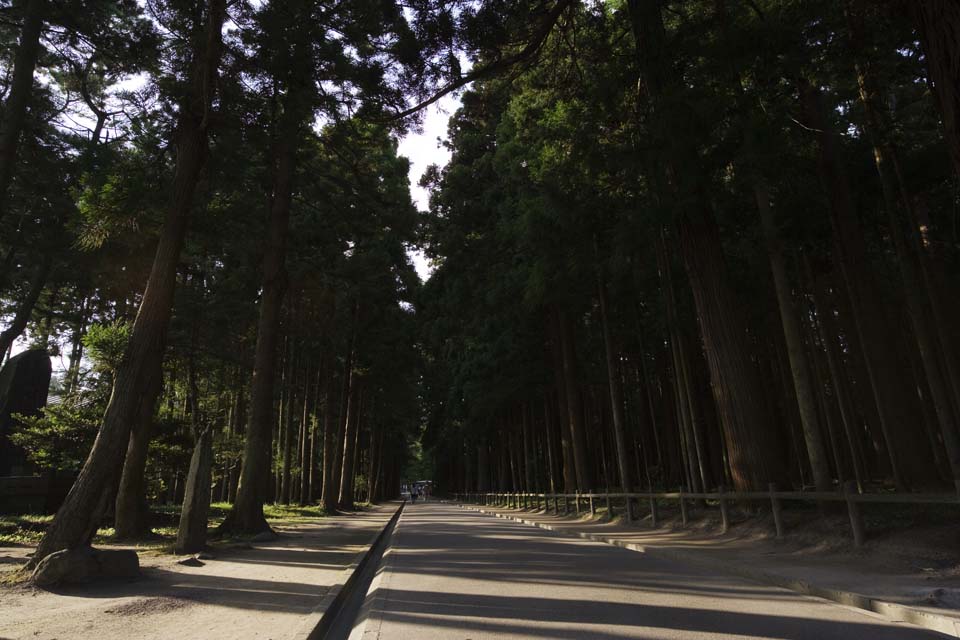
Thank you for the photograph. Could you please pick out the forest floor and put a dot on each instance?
(255, 590)
(911, 556)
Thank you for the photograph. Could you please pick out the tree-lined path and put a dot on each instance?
(453, 573)
(705, 247)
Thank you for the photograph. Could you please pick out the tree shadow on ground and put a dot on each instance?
(529, 617)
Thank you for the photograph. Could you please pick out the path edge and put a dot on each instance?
(370, 618)
(892, 611)
(318, 622)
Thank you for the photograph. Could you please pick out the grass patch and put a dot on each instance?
(28, 529)
(293, 512)
(23, 529)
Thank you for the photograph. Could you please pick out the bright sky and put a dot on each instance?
(424, 149)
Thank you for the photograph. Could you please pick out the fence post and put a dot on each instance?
(775, 506)
(724, 516)
(628, 508)
(576, 503)
(593, 508)
(683, 508)
(609, 506)
(856, 520)
(653, 512)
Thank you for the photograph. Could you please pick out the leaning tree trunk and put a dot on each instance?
(131, 511)
(25, 309)
(21, 89)
(77, 519)
(799, 365)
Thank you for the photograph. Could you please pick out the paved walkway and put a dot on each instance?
(453, 573)
(887, 571)
(261, 593)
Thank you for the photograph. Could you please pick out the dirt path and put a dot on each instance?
(262, 592)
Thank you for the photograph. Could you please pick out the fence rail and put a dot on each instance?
(849, 495)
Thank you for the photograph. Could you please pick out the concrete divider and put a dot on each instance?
(320, 620)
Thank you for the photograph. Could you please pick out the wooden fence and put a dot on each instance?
(849, 496)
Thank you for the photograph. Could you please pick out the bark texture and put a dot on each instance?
(77, 519)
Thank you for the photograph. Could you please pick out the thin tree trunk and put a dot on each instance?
(896, 405)
(352, 424)
(286, 421)
(373, 468)
(578, 438)
(529, 452)
(566, 448)
(332, 496)
(327, 498)
(553, 477)
(315, 436)
(76, 351)
(799, 366)
(483, 467)
(686, 404)
(828, 336)
(77, 519)
(304, 496)
(616, 390)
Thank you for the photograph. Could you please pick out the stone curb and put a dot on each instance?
(318, 622)
(375, 600)
(892, 611)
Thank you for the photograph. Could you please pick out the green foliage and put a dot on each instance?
(106, 344)
(61, 436)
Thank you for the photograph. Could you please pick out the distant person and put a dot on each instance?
(413, 495)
